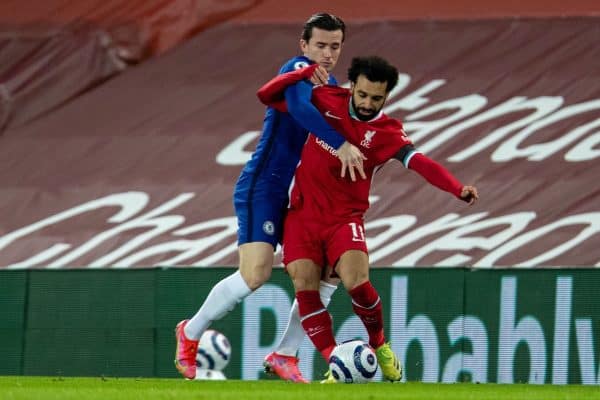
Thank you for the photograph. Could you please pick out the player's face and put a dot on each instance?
(324, 47)
(368, 97)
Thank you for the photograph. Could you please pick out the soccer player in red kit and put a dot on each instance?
(324, 225)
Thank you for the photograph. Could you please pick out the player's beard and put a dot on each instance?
(364, 117)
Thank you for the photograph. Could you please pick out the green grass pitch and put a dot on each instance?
(50, 388)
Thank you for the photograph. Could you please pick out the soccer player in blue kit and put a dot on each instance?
(261, 195)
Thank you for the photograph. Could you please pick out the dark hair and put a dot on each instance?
(376, 69)
(325, 21)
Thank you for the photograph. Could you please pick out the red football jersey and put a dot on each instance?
(318, 186)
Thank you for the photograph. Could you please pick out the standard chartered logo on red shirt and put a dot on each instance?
(326, 147)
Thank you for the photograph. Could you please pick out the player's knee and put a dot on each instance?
(257, 277)
(355, 280)
(303, 283)
(256, 272)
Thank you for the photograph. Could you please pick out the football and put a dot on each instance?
(214, 351)
(353, 361)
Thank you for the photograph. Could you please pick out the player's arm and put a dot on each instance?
(272, 93)
(297, 97)
(294, 88)
(297, 93)
(435, 173)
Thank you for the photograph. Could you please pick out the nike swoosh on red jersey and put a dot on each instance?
(330, 115)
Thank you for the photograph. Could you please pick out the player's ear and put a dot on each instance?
(303, 45)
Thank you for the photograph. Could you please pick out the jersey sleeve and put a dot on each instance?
(272, 93)
(405, 153)
(291, 92)
(435, 174)
(306, 114)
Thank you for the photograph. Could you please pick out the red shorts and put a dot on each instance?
(306, 236)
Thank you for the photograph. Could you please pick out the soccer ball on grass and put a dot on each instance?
(214, 353)
(353, 361)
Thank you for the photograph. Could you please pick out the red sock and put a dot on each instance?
(367, 305)
(316, 321)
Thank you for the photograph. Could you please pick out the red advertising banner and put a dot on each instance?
(140, 171)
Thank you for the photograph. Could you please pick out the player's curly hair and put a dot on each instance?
(376, 69)
(325, 21)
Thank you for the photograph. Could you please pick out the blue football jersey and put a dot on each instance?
(278, 151)
(261, 192)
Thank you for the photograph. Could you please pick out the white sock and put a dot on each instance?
(294, 332)
(222, 298)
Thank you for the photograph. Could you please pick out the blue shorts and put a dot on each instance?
(260, 221)
(260, 211)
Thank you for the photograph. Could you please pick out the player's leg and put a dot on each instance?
(256, 260)
(314, 317)
(283, 361)
(259, 231)
(303, 257)
(353, 268)
(294, 334)
(258, 234)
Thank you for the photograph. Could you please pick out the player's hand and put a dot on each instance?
(351, 157)
(469, 194)
(320, 76)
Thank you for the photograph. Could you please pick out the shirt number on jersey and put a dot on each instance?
(358, 233)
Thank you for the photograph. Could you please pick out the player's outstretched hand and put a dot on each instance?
(351, 157)
(469, 194)
(320, 76)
